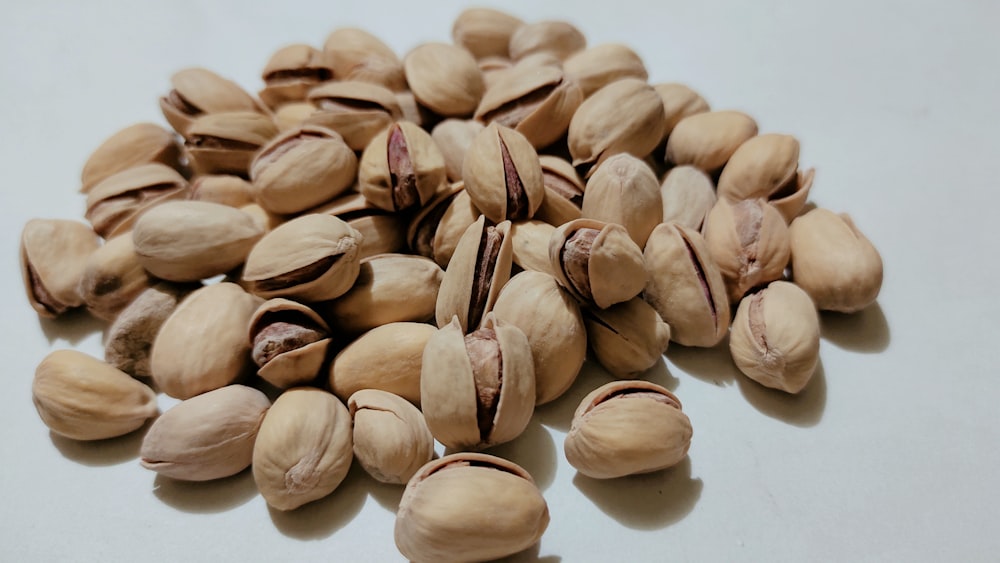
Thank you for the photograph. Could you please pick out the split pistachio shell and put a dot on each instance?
(597, 66)
(112, 278)
(688, 196)
(435, 231)
(386, 358)
(597, 262)
(834, 262)
(749, 242)
(454, 137)
(626, 428)
(129, 341)
(766, 167)
(503, 175)
(624, 190)
(707, 140)
(530, 245)
(356, 54)
(288, 342)
(203, 345)
(196, 92)
(303, 449)
(391, 439)
(185, 241)
(477, 390)
(551, 320)
(478, 270)
(225, 143)
(628, 338)
(310, 258)
(679, 101)
(207, 437)
(401, 168)
(54, 255)
(114, 204)
(450, 502)
(225, 189)
(83, 398)
(561, 179)
(355, 109)
(291, 72)
(685, 286)
(557, 38)
(134, 145)
(775, 337)
(556, 210)
(444, 78)
(484, 32)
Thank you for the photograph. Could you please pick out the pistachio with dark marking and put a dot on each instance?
(112, 278)
(291, 72)
(503, 175)
(478, 270)
(288, 342)
(401, 168)
(130, 339)
(597, 262)
(116, 202)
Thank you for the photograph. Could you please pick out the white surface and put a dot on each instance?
(892, 452)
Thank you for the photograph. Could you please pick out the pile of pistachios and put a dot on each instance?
(377, 253)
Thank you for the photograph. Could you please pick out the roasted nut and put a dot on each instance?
(624, 190)
(391, 439)
(775, 337)
(596, 67)
(112, 278)
(291, 72)
(142, 143)
(222, 188)
(225, 143)
(493, 69)
(454, 137)
(303, 448)
(479, 268)
(444, 78)
(54, 256)
(627, 338)
(679, 101)
(130, 339)
(114, 203)
(749, 242)
(708, 140)
(625, 428)
(293, 114)
(503, 175)
(381, 231)
(558, 38)
(355, 109)
(356, 54)
(265, 220)
(197, 92)
(597, 262)
(401, 168)
(766, 167)
(207, 437)
(484, 32)
(530, 245)
(561, 179)
(688, 195)
(435, 231)
(288, 342)
(83, 398)
(386, 358)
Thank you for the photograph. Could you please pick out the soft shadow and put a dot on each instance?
(558, 414)
(711, 365)
(205, 497)
(530, 555)
(804, 409)
(534, 450)
(645, 502)
(101, 453)
(321, 518)
(865, 331)
(385, 494)
(73, 326)
(660, 375)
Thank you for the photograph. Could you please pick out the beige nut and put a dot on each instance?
(401, 168)
(707, 140)
(134, 145)
(112, 278)
(114, 204)
(292, 115)
(484, 32)
(391, 439)
(530, 245)
(288, 342)
(356, 54)
(597, 66)
(557, 38)
(83, 398)
(679, 101)
(626, 428)
(225, 143)
(561, 180)
(478, 270)
(381, 231)
(444, 78)
(454, 137)
(355, 109)
(503, 175)
(291, 72)
(53, 257)
(196, 92)
(386, 358)
(624, 190)
(436, 230)
(129, 341)
(597, 262)
(749, 242)
(627, 338)
(767, 167)
(225, 189)
(688, 196)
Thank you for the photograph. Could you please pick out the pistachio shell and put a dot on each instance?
(386, 358)
(289, 342)
(484, 32)
(197, 92)
(381, 231)
(503, 175)
(708, 140)
(688, 195)
(391, 439)
(134, 145)
(438, 227)
(54, 255)
(766, 167)
(627, 338)
(355, 109)
(558, 38)
(293, 114)
(225, 143)
(356, 54)
(291, 72)
(401, 168)
(679, 101)
(454, 137)
(444, 78)
(129, 341)
(597, 262)
(596, 67)
(561, 179)
(624, 190)
(530, 245)
(537, 102)
(112, 278)
(477, 271)
(114, 204)
(225, 189)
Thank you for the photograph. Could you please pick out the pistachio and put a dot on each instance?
(530, 245)
(413, 111)
(707, 140)
(477, 390)
(556, 210)
(679, 101)
(142, 143)
(193, 240)
(834, 262)
(288, 342)
(439, 226)
(444, 78)
(310, 258)
(207, 437)
(558, 38)
(356, 54)
(766, 167)
(627, 338)
(222, 188)
(291, 72)
(391, 439)
(775, 337)
(203, 345)
(441, 516)
(597, 262)
(112, 278)
(503, 175)
(265, 220)
(293, 114)
(484, 32)
(479, 268)
(685, 286)
(626, 428)
(303, 448)
(493, 69)
(114, 203)
(196, 92)
(83, 398)
(381, 231)
(225, 143)
(596, 67)
(54, 256)
(561, 180)
(624, 190)
(302, 168)
(401, 168)
(688, 196)
(355, 109)
(130, 339)
(386, 358)
(454, 137)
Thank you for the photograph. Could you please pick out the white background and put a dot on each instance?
(891, 454)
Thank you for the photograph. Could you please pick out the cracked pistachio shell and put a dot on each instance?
(503, 175)
(477, 390)
(114, 204)
(207, 437)
(130, 339)
(561, 179)
(438, 227)
(225, 189)
(484, 32)
(557, 38)
(303, 448)
(386, 358)
(707, 140)
(381, 231)
(54, 255)
(627, 428)
(391, 439)
(83, 398)
(627, 338)
(530, 245)
(356, 54)
(291, 72)
(288, 342)
(444, 78)
(112, 278)
(401, 168)
(355, 109)
(478, 270)
(685, 286)
(766, 167)
(142, 143)
(226, 143)
(624, 190)
(679, 101)
(537, 102)
(775, 337)
(203, 345)
(834, 262)
(469, 507)
(551, 320)
(390, 288)
(310, 258)
(196, 92)
(624, 116)
(688, 195)
(749, 242)
(596, 67)
(454, 137)
(302, 168)
(185, 241)
(597, 262)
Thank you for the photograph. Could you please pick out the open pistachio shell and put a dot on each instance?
(225, 143)
(137, 144)
(503, 175)
(401, 168)
(291, 72)
(54, 255)
(766, 167)
(357, 110)
(597, 262)
(196, 92)
(114, 204)
(288, 342)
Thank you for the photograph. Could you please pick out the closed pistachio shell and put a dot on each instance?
(265, 220)
(749, 242)
(449, 503)
(688, 195)
(775, 337)
(679, 101)
(54, 255)
(401, 168)
(558, 38)
(207, 437)
(391, 439)
(386, 358)
(114, 204)
(597, 66)
(225, 189)
(597, 262)
(355, 109)
(83, 398)
(129, 341)
(225, 143)
(530, 245)
(197, 92)
(381, 231)
(303, 449)
(707, 140)
(503, 175)
(478, 270)
(356, 54)
(626, 428)
(112, 278)
(766, 167)
(291, 72)
(624, 190)
(484, 32)
(288, 342)
(627, 338)
(444, 78)
(834, 262)
(134, 145)
(454, 137)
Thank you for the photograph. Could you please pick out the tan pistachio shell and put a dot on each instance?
(291, 338)
(265, 220)
(561, 179)
(530, 245)
(137, 144)
(225, 143)
(557, 38)
(707, 140)
(749, 242)
(130, 338)
(766, 167)
(197, 92)
(225, 189)
(688, 196)
(53, 258)
(484, 32)
(356, 54)
(291, 72)
(112, 278)
(391, 438)
(679, 101)
(454, 137)
(386, 358)
(401, 168)
(556, 210)
(292, 114)
(612, 263)
(478, 270)
(444, 78)
(627, 428)
(381, 231)
(355, 109)
(597, 66)
(496, 157)
(627, 338)
(436, 230)
(624, 190)
(115, 203)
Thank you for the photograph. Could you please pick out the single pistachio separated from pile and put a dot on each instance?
(391, 438)
(54, 256)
